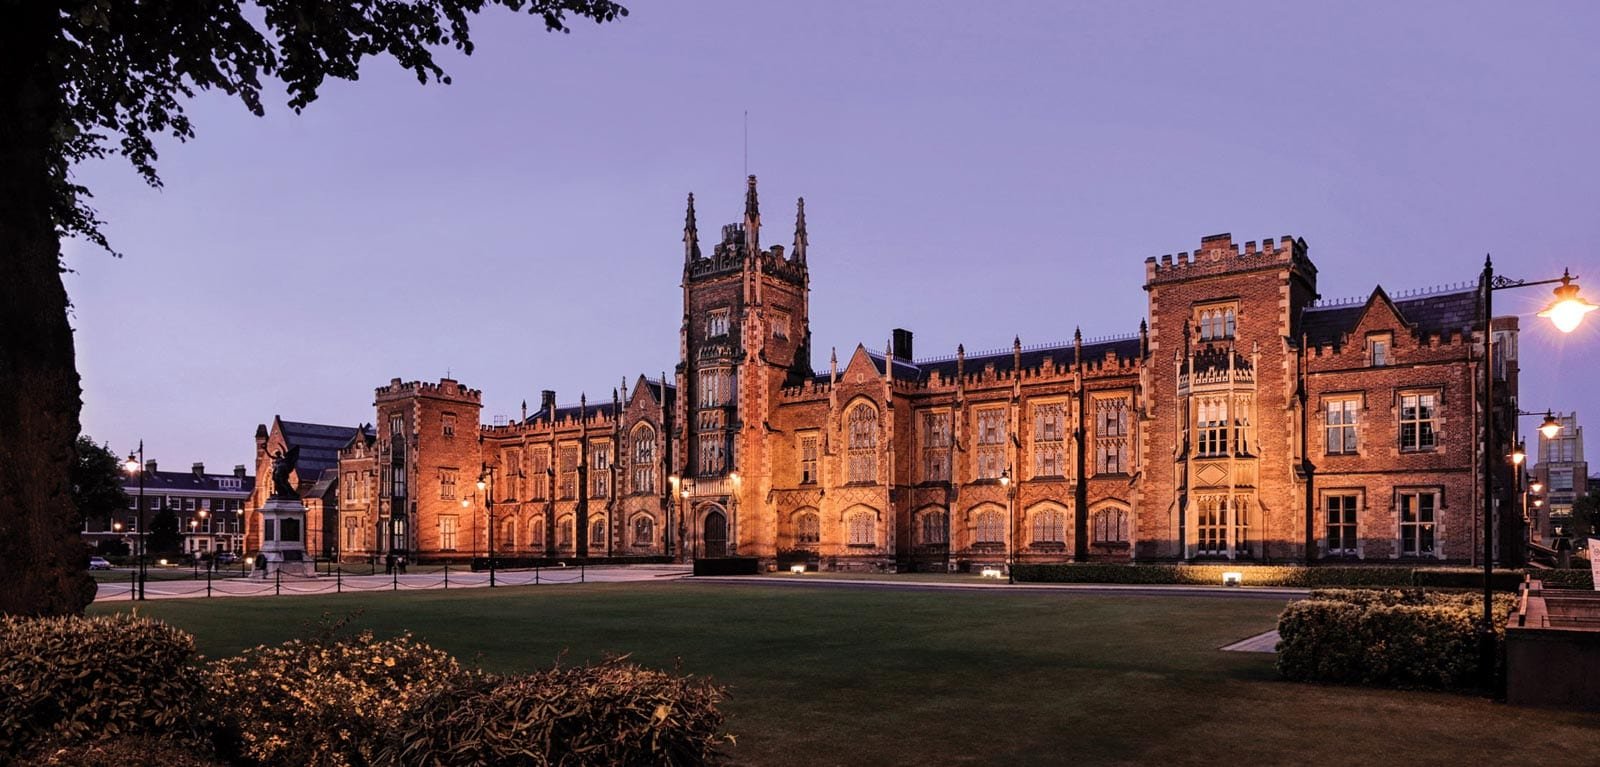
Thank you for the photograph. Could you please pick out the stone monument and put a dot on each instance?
(283, 524)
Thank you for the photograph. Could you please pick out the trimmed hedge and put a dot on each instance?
(1394, 638)
(1269, 575)
(1572, 579)
(612, 713)
(69, 681)
(322, 702)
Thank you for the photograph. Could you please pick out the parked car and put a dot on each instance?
(99, 563)
(227, 558)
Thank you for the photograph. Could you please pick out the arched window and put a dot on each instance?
(644, 531)
(863, 443)
(991, 527)
(862, 529)
(508, 536)
(931, 527)
(644, 459)
(1110, 525)
(807, 528)
(1049, 526)
(536, 532)
(564, 532)
(597, 533)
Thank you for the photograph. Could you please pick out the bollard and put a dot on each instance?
(208, 583)
(394, 578)
(447, 576)
(277, 582)
(338, 580)
(583, 573)
(133, 586)
(535, 575)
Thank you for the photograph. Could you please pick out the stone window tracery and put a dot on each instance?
(863, 426)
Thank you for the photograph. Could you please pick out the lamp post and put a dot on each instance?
(136, 466)
(673, 480)
(486, 487)
(1566, 311)
(1011, 527)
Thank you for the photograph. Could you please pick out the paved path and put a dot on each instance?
(119, 591)
(800, 581)
(1267, 642)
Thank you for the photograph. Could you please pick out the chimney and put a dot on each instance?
(199, 469)
(238, 470)
(150, 466)
(902, 344)
(547, 400)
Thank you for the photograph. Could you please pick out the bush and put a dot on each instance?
(1572, 579)
(1394, 638)
(122, 752)
(612, 713)
(1301, 576)
(322, 701)
(71, 680)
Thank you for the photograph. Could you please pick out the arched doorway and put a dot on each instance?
(715, 535)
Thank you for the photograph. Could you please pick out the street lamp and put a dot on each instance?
(486, 487)
(1565, 311)
(1518, 454)
(672, 480)
(1011, 527)
(1551, 427)
(136, 466)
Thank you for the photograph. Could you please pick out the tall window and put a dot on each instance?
(1049, 440)
(539, 474)
(936, 446)
(808, 459)
(1110, 526)
(1417, 509)
(1341, 425)
(397, 426)
(447, 532)
(1561, 479)
(447, 484)
(597, 533)
(1215, 515)
(569, 472)
(1216, 323)
(644, 459)
(991, 442)
(508, 536)
(715, 389)
(1111, 435)
(862, 532)
(808, 528)
(1378, 349)
(717, 323)
(932, 527)
(1417, 421)
(644, 531)
(1049, 526)
(863, 425)
(349, 485)
(449, 424)
(511, 479)
(990, 527)
(1341, 523)
(600, 470)
(564, 532)
(536, 532)
(1211, 427)
(351, 528)
(713, 453)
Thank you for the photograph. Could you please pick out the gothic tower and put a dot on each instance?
(746, 332)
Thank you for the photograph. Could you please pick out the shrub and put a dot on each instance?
(612, 713)
(122, 752)
(1396, 638)
(1574, 578)
(322, 701)
(71, 680)
(1301, 576)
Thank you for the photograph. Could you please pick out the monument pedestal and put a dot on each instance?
(283, 540)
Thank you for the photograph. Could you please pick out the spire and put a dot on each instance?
(752, 218)
(691, 234)
(800, 238)
(1077, 345)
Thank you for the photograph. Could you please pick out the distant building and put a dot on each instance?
(315, 478)
(209, 507)
(1565, 475)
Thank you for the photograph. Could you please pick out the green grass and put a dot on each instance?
(823, 676)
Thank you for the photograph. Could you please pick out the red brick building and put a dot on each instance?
(1243, 419)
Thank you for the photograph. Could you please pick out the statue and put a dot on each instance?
(283, 463)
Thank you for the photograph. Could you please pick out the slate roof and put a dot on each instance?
(564, 412)
(1434, 313)
(1032, 358)
(319, 444)
(181, 482)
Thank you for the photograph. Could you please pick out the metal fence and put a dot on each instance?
(279, 584)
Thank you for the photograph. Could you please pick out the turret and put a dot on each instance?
(800, 238)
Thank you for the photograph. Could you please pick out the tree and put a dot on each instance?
(97, 482)
(163, 536)
(1585, 515)
(82, 79)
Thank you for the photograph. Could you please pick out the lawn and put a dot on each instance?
(823, 676)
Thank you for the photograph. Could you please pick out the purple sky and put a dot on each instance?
(970, 176)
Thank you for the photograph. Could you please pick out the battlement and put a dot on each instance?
(1219, 254)
(446, 388)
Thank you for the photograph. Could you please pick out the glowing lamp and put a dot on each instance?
(131, 465)
(463, 503)
(1536, 487)
(481, 485)
(1518, 455)
(1233, 578)
(797, 569)
(1538, 503)
(1568, 308)
(1005, 478)
(162, 562)
(991, 572)
(249, 561)
(1551, 427)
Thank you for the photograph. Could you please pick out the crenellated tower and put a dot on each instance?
(745, 334)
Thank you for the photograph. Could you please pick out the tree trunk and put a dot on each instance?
(42, 561)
